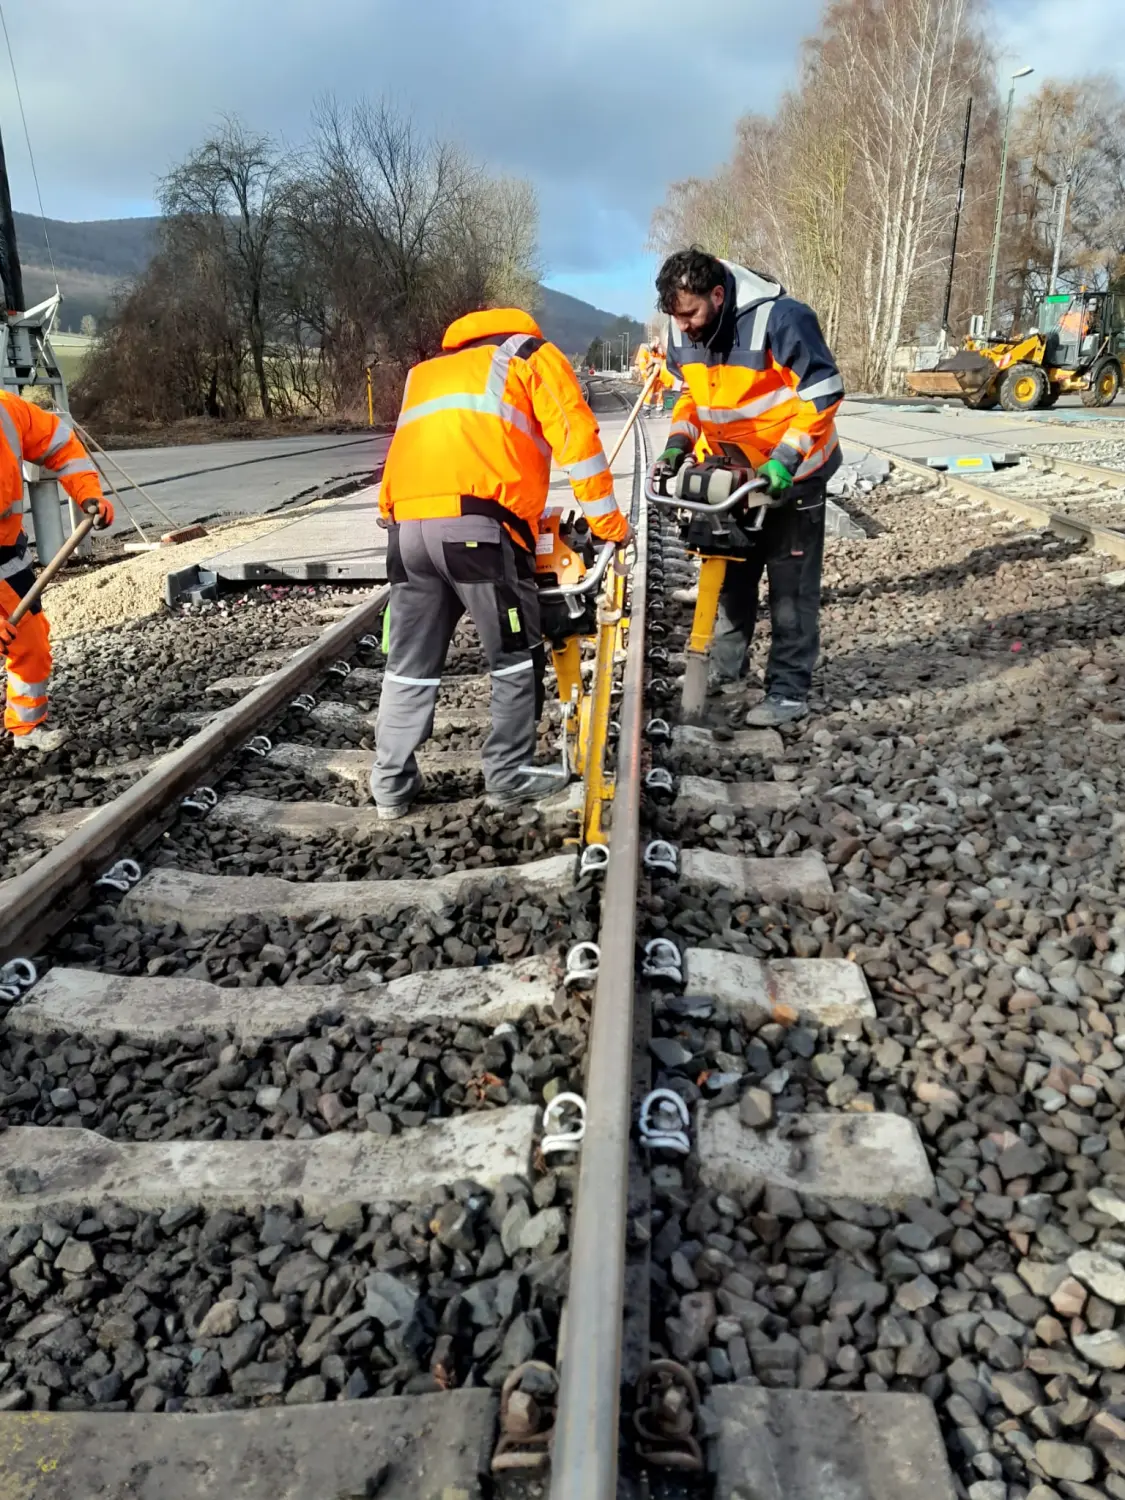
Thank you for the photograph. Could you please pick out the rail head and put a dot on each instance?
(584, 1463)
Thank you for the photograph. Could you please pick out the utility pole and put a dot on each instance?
(956, 222)
(10, 270)
(994, 263)
(1063, 193)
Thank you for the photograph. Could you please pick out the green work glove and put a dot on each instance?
(671, 460)
(777, 476)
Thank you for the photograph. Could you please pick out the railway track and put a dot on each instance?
(277, 1209)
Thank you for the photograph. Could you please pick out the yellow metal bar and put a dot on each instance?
(567, 661)
(370, 400)
(712, 572)
(598, 782)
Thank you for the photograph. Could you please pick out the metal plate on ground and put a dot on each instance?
(398, 1447)
(339, 543)
(820, 1445)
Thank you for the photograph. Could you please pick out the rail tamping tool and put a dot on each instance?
(718, 521)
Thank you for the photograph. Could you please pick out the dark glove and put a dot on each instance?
(102, 509)
(777, 476)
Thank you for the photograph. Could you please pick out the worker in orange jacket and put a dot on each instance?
(30, 434)
(760, 383)
(654, 401)
(464, 487)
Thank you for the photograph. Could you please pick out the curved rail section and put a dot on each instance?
(1100, 538)
(584, 1466)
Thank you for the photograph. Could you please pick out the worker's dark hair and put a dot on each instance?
(688, 271)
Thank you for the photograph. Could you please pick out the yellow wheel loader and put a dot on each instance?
(1078, 344)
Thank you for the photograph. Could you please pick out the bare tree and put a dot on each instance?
(231, 193)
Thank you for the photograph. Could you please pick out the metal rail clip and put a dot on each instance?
(305, 703)
(666, 1416)
(659, 779)
(555, 1137)
(340, 669)
(369, 643)
(203, 799)
(661, 855)
(595, 858)
(122, 876)
(663, 1122)
(660, 687)
(662, 961)
(526, 1428)
(260, 745)
(582, 964)
(658, 657)
(658, 732)
(16, 976)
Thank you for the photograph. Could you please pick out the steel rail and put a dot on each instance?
(39, 901)
(584, 1461)
(1100, 538)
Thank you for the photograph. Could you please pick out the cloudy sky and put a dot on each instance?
(573, 94)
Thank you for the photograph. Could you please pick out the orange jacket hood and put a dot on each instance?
(483, 325)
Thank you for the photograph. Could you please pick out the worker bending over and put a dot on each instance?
(758, 375)
(464, 487)
(28, 433)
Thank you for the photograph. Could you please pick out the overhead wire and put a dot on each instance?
(27, 138)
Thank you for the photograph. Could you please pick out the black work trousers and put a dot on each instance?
(790, 550)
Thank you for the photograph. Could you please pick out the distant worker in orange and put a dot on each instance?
(654, 401)
(464, 488)
(30, 434)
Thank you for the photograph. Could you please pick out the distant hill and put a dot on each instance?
(96, 257)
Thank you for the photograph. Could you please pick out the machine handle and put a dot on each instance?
(589, 584)
(669, 502)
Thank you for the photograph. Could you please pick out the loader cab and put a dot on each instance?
(1071, 325)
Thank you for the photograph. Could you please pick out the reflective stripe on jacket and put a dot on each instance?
(27, 432)
(482, 420)
(765, 382)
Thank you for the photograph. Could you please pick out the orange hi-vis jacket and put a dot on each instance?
(765, 382)
(479, 425)
(27, 432)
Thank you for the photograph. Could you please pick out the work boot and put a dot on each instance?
(774, 711)
(40, 738)
(533, 788)
(724, 687)
(390, 812)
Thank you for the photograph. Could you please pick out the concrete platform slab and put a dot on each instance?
(799, 877)
(338, 543)
(823, 991)
(869, 1158)
(82, 1002)
(43, 1167)
(764, 742)
(424, 1446)
(326, 819)
(206, 903)
(700, 794)
(826, 1445)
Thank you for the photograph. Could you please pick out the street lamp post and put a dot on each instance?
(995, 261)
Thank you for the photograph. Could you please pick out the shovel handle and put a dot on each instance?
(76, 537)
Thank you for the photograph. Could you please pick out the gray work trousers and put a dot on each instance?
(790, 550)
(439, 570)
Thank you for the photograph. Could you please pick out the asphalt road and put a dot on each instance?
(209, 480)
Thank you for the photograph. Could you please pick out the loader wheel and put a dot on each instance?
(1023, 388)
(1051, 398)
(1105, 382)
(985, 400)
